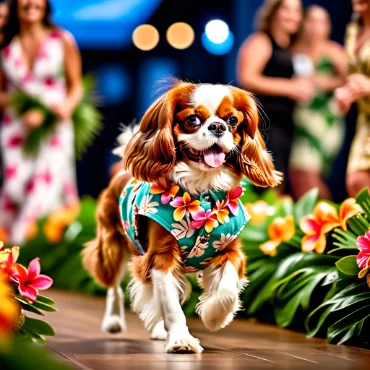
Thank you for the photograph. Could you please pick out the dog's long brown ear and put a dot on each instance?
(254, 160)
(150, 155)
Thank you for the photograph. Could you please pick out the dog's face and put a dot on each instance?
(205, 128)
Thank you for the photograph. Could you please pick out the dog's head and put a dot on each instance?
(206, 127)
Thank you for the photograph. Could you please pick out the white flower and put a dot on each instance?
(147, 206)
(182, 229)
(200, 245)
(225, 240)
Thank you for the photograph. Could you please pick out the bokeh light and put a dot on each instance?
(180, 35)
(218, 49)
(145, 37)
(217, 31)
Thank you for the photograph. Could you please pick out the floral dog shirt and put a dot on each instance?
(203, 225)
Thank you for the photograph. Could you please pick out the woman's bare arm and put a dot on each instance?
(73, 68)
(252, 59)
(338, 57)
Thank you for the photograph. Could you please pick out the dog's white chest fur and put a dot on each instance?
(197, 181)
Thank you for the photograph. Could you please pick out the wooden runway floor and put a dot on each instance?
(242, 345)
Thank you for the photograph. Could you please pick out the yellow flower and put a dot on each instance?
(32, 231)
(324, 219)
(57, 222)
(9, 309)
(280, 230)
(258, 211)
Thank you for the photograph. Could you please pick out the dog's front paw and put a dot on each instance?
(183, 344)
(113, 324)
(159, 332)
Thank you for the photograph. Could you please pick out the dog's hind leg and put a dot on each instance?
(114, 317)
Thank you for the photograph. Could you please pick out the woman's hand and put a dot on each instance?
(33, 118)
(62, 111)
(358, 86)
(301, 89)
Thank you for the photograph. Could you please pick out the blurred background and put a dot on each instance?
(127, 74)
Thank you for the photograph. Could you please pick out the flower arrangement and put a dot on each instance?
(87, 120)
(19, 287)
(307, 264)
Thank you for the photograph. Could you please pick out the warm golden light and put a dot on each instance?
(180, 35)
(145, 37)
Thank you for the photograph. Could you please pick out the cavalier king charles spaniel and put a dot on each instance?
(175, 210)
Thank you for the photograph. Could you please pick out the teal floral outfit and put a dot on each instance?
(203, 225)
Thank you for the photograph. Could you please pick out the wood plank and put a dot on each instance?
(244, 344)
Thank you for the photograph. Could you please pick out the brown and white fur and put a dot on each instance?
(170, 146)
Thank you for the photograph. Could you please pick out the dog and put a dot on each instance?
(174, 209)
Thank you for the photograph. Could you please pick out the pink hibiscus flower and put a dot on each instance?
(232, 199)
(30, 281)
(208, 219)
(363, 258)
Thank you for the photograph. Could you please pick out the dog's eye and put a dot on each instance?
(232, 121)
(193, 120)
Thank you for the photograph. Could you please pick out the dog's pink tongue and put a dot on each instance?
(213, 157)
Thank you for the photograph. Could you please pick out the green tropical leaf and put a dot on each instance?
(349, 326)
(347, 265)
(44, 306)
(37, 326)
(43, 299)
(305, 205)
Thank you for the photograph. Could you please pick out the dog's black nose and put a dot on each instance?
(217, 128)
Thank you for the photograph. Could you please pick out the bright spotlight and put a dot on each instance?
(217, 31)
(218, 49)
(145, 37)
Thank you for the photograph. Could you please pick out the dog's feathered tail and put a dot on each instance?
(104, 255)
(124, 137)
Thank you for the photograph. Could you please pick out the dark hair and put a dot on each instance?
(12, 26)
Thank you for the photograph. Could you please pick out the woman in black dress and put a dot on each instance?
(265, 68)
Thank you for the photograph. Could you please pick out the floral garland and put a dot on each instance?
(20, 286)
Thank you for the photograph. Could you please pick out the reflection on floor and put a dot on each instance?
(243, 345)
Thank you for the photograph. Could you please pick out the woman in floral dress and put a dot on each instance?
(34, 61)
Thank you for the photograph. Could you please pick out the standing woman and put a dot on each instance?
(357, 89)
(265, 68)
(34, 60)
(319, 126)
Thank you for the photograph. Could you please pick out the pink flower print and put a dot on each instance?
(55, 142)
(15, 141)
(17, 63)
(30, 187)
(27, 78)
(7, 119)
(204, 218)
(42, 53)
(10, 172)
(363, 257)
(49, 81)
(167, 194)
(184, 206)
(9, 205)
(46, 176)
(7, 52)
(232, 199)
(70, 189)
